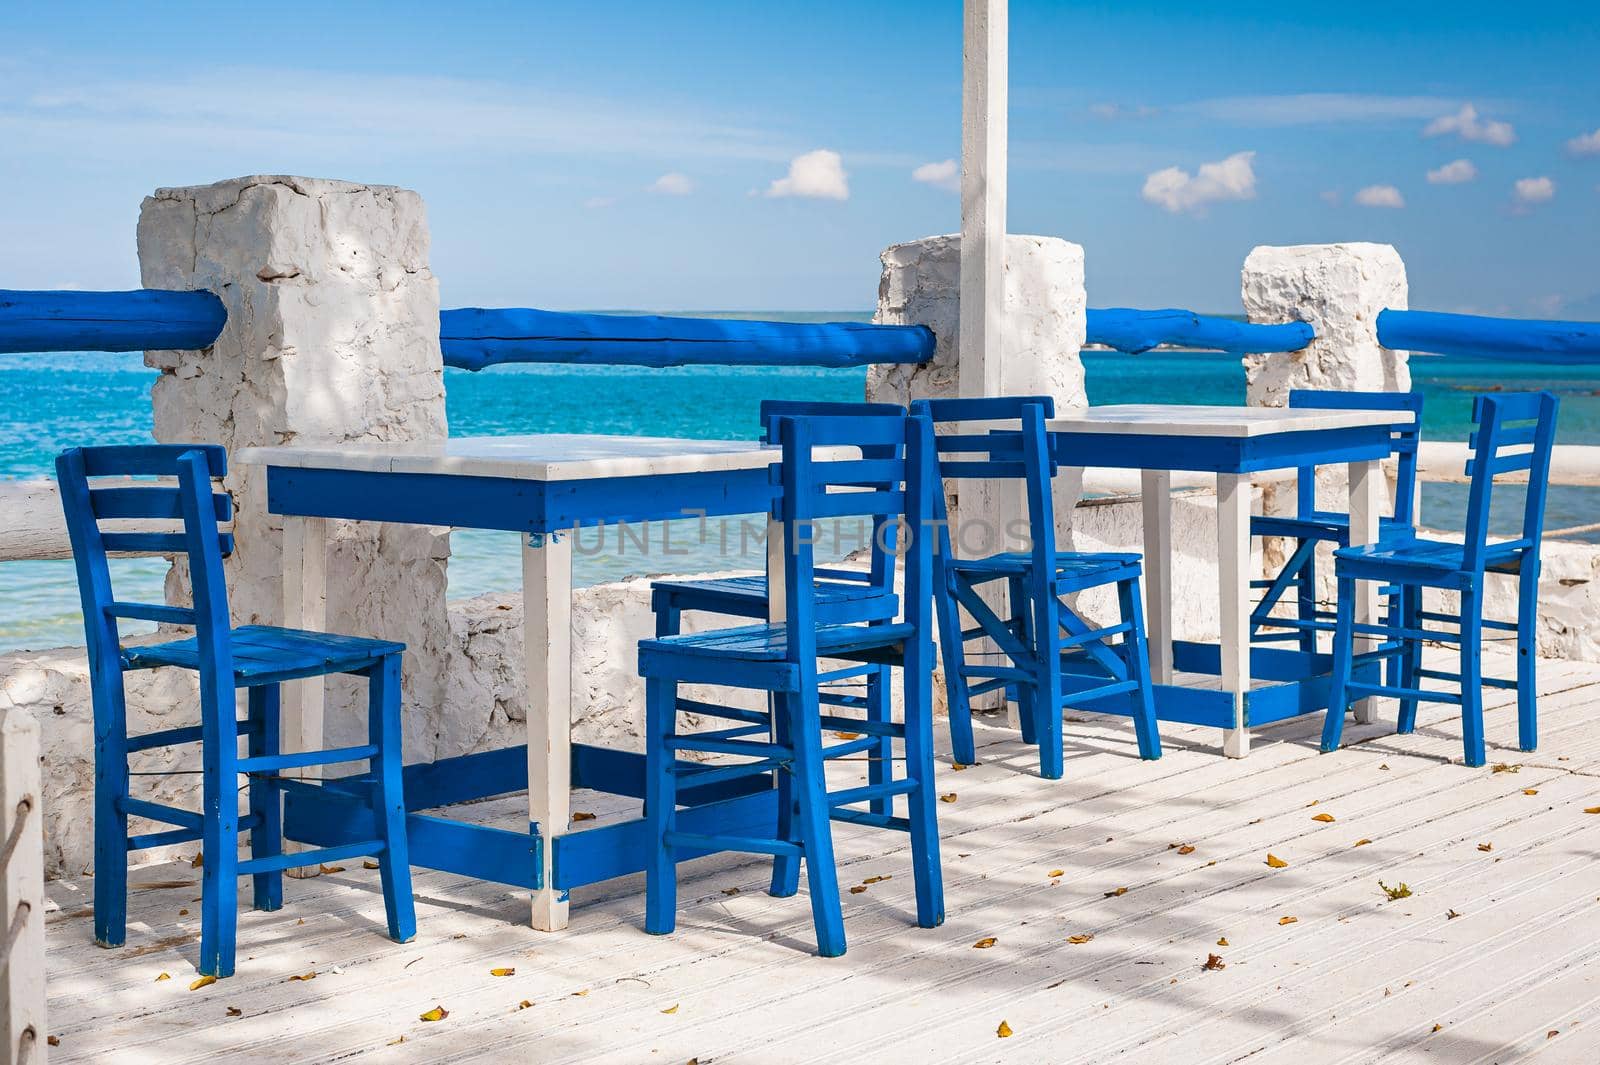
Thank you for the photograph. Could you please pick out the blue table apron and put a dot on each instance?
(492, 483)
(1258, 685)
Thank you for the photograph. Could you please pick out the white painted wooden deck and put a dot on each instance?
(1495, 957)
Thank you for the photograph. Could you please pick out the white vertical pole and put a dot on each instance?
(22, 1028)
(1233, 573)
(1155, 496)
(547, 651)
(983, 195)
(305, 606)
(1366, 497)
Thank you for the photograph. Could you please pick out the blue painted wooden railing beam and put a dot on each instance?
(1494, 338)
(1132, 331)
(141, 320)
(474, 338)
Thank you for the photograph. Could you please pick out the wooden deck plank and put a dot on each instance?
(742, 984)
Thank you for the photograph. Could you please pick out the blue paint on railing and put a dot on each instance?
(474, 338)
(1469, 335)
(1137, 331)
(144, 319)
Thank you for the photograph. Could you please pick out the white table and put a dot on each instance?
(1232, 443)
(540, 487)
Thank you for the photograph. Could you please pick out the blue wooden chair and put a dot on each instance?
(1311, 527)
(254, 657)
(781, 659)
(842, 595)
(1524, 423)
(1050, 656)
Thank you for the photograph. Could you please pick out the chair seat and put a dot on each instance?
(1078, 568)
(1318, 525)
(262, 653)
(1441, 557)
(769, 643)
(837, 601)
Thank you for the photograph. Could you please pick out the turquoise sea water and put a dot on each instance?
(53, 401)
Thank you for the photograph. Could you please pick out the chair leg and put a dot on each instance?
(1046, 645)
(1031, 699)
(219, 882)
(921, 803)
(266, 839)
(815, 825)
(1472, 675)
(1306, 598)
(110, 820)
(668, 620)
(660, 799)
(388, 798)
(1343, 644)
(958, 707)
(881, 755)
(785, 867)
(1410, 659)
(1528, 656)
(1142, 698)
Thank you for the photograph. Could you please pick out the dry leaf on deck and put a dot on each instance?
(438, 1013)
(1117, 893)
(524, 1005)
(858, 889)
(198, 860)
(163, 976)
(1436, 1028)
(1399, 891)
(1591, 809)
(580, 815)
(1530, 791)
(204, 981)
(1187, 848)
(1501, 767)
(312, 975)
(949, 797)
(1486, 847)
(396, 1042)
(1052, 874)
(957, 766)
(1081, 938)
(580, 994)
(369, 864)
(671, 1009)
(1288, 920)
(1276, 862)
(503, 971)
(331, 868)
(877, 879)
(1326, 819)
(235, 1011)
(1362, 842)
(1222, 942)
(985, 943)
(1214, 963)
(1451, 915)
(1004, 1031)
(848, 735)
(730, 891)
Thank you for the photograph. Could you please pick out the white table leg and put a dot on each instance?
(1155, 495)
(776, 592)
(1233, 590)
(547, 653)
(305, 606)
(1366, 495)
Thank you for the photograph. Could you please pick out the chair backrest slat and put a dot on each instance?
(192, 504)
(1402, 443)
(1525, 423)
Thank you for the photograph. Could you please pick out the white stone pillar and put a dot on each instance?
(332, 335)
(1339, 290)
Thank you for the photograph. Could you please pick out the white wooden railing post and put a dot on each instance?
(22, 1024)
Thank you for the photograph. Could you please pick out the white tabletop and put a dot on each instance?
(541, 457)
(1159, 419)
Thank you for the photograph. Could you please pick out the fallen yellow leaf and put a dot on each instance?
(1052, 874)
(579, 815)
(312, 975)
(671, 1009)
(985, 943)
(1276, 862)
(235, 1011)
(848, 735)
(1591, 809)
(1214, 963)
(1437, 1028)
(1222, 942)
(163, 976)
(1362, 842)
(1530, 791)
(1326, 819)
(198, 860)
(957, 766)
(1186, 849)
(580, 994)
(1288, 920)
(332, 868)
(506, 971)
(950, 797)
(438, 1013)
(524, 1005)
(877, 879)
(730, 891)
(396, 1042)
(1082, 937)
(1004, 1031)
(1118, 893)
(370, 864)
(1399, 891)
(1486, 847)
(204, 981)
(858, 889)
(1501, 767)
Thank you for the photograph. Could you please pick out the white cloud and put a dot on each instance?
(1585, 144)
(1380, 196)
(1111, 112)
(1469, 126)
(817, 175)
(1530, 190)
(1456, 173)
(945, 175)
(1315, 108)
(673, 183)
(1177, 190)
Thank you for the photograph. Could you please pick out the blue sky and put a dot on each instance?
(540, 135)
